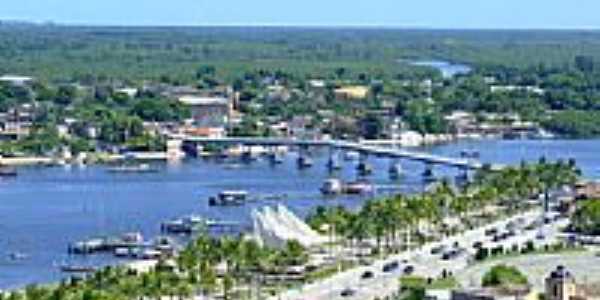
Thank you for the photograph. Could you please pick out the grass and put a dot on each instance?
(416, 282)
(541, 251)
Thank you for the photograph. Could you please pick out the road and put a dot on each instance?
(425, 264)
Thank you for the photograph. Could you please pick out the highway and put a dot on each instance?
(425, 264)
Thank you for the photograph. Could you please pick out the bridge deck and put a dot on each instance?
(353, 146)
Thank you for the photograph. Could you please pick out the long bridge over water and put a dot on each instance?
(362, 147)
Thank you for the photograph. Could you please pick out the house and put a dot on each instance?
(208, 111)
(587, 190)
(517, 293)
(15, 80)
(356, 92)
(561, 285)
(207, 132)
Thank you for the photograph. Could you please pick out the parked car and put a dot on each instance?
(391, 266)
(367, 275)
(347, 292)
(408, 270)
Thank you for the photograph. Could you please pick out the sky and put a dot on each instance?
(490, 14)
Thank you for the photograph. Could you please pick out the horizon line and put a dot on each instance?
(294, 25)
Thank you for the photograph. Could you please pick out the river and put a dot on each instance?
(45, 209)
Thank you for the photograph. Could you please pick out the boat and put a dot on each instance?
(364, 168)
(304, 162)
(469, 153)
(351, 155)
(8, 172)
(88, 247)
(428, 174)
(72, 268)
(332, 186)
(395, 170)
(275, 158)
(139, 168)
(185, 225)
(333, 164)
(16, 256)
(359, 187)
(229, 198)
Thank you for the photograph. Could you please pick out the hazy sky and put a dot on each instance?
(415, 13)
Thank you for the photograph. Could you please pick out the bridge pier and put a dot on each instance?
(428, 174)
(363, 167)
(395, 169)
(333, 164)
(304, 161)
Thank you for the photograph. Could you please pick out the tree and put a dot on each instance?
(504, 276)
(587, 218)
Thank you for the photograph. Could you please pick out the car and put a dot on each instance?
(391, 266)
(438, 249)
(540, 236)
(478, 244)
(367, 275)
(347, 292)
(491, 232)
(408, 270)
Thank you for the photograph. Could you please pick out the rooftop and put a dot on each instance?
(197, 100)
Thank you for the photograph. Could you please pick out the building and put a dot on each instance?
(16, 80)
(208, 111)
(356, 92)
(560, 285)
(519, 293)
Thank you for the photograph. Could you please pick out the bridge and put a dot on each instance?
(379, 151)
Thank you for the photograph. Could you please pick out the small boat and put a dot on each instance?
(469, 153)
(16, 256)
(8, 172)
(334, 164)
(359, 187)
(304, 162)
(229, 198)
(72, 268)
(395, 171)
(88, 247)
(141, 168)
(185, 225)
(351, 155)
(364, 169)
(332, 186)
(275, 159)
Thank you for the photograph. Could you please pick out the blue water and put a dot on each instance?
(45, 209)
(447, 69)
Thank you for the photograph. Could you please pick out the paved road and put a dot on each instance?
(384, 284)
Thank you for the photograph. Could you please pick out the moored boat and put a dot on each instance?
(229, 198)
(332, 186)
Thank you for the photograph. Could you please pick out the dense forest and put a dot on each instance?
(59, 52)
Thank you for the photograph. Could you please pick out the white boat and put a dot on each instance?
(229, 198)
(304, 162)
(141, 168)
(359, 187)
(332, 186)
(351, 155)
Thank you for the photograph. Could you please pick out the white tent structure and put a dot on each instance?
(275, 227)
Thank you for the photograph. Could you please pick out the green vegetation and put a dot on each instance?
(415, 282)
(504, 276)
(195, 272)
(587, 218)
(393, 221)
